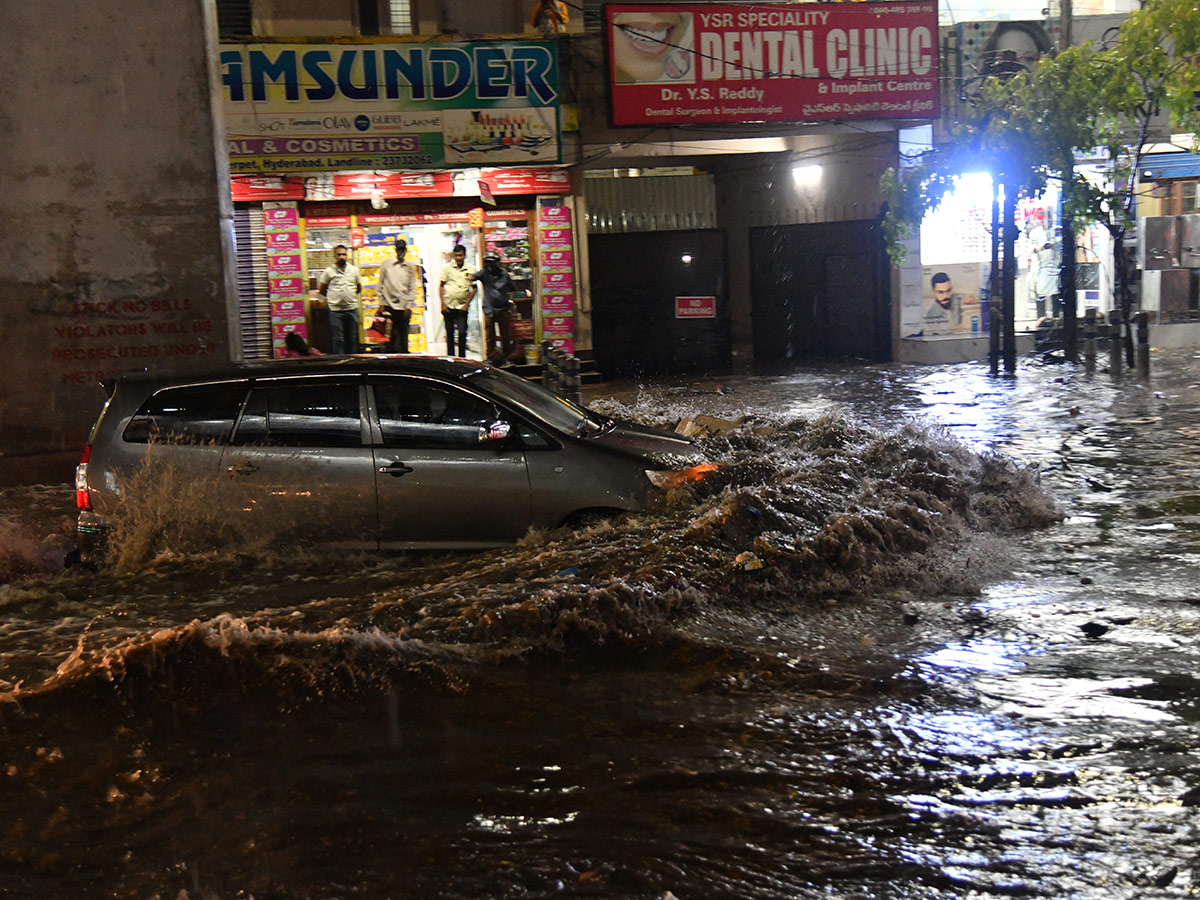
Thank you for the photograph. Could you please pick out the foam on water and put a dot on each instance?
(799, 512)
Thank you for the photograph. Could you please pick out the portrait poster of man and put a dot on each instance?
(951, 298)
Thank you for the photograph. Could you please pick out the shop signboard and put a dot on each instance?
(259, 188)
(695, 307)
(559, 324)
(559, 282)
(557, 304)
(327, 221)
(285, 278)
(287, 310)
(527, 181)
(555, 260)
(291, 286)
(376, 219)
(282, 241)
(554, 217)
(297, 108)
(284, 264)
(393, 185)
(279, 331)
(280, 218)
(559, 238)
(705, 64)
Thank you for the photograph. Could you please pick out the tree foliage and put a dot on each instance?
(1028, 128)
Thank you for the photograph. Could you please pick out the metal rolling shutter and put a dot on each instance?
(235, 18)
(254, 304)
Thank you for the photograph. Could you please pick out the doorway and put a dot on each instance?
(820, 291)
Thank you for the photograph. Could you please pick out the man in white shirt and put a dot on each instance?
(398, 287)
(341, 284)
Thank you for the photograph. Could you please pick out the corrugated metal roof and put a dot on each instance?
(650, 203)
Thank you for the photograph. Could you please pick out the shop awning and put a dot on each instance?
(1161, 166)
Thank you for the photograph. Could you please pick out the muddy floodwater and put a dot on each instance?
(923, 633)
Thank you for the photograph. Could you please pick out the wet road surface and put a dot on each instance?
(928, 635)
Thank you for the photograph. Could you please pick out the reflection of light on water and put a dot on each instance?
(513, 824)
(977, 656)
(1063, 699)
(966, 733)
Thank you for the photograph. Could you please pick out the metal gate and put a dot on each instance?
(640, 325)
(820, 291)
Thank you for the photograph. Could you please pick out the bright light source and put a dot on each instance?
(807, 176)
(687, 258)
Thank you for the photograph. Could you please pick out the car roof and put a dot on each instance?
(359, 364)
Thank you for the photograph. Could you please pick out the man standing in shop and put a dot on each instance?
(498, 289)
(455, 290)
(398, 286)
(340, 285)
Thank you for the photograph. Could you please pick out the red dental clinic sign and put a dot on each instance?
(701, 64)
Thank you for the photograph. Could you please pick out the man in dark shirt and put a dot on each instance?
(498, 289)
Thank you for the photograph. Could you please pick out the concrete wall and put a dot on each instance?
(115, 213)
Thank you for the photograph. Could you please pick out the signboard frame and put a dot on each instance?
(698, 64)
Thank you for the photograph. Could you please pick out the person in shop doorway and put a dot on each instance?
(455, 290)
(498, 290)
(340, 285)
(295, 346)
(398, 285)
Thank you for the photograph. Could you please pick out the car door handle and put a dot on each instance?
(395, 469)
(246, 468)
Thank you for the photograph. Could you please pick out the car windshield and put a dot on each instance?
(561, 414)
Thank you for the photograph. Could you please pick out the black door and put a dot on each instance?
(636, 282)
(820, 291)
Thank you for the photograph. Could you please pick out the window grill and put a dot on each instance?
(399, 19)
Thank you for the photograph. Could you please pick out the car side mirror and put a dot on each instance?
(497, 431)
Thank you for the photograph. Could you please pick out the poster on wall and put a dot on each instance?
(703, 64)
(301, 108)
(951, 299)
(557, 286)
(285, 273)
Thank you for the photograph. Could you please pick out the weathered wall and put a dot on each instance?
(115, 213)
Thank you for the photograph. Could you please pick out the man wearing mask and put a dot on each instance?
(498, 289)
(340, 285)
(398, 286)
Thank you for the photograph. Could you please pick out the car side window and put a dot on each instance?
(187, 415)
(423, 414)
(532, 439)
(302, 415)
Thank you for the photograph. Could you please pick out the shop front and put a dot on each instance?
(530, 227)
(361, 145)
(946, 313)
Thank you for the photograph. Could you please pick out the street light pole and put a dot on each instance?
(1066, 272)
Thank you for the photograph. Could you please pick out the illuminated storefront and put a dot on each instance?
(361, 144)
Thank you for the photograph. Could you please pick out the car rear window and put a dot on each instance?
(302, 415)
(187, 415)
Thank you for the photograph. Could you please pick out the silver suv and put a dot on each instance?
(388, 452)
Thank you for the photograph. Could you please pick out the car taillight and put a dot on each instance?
(82, 499)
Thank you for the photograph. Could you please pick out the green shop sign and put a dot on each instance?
(293, 108)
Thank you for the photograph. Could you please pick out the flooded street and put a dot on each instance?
(924, 634)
